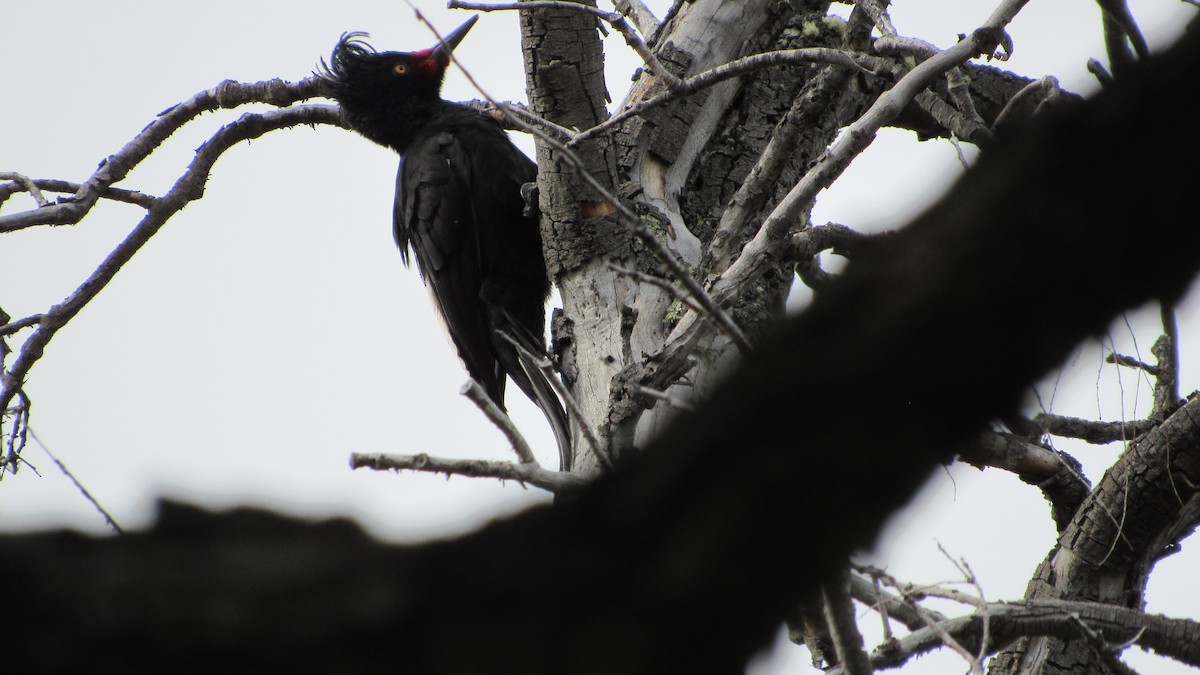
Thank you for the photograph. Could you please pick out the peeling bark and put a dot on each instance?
(564, 73)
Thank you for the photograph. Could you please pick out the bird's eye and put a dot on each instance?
(400, 69)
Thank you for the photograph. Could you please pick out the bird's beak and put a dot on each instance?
(442, 51)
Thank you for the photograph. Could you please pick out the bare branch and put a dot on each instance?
(912, 615)
(1120, 32)
(557, 482)
(615, 19)
(503, 422)
(228, 94)
(658, 282)
(962, 126)
(1131, 362)
(841, 239)
(647, 24)
(755, 256)
(870, 64)
(1094, 432)
(879, 16)
(843, 628)
(55, 185)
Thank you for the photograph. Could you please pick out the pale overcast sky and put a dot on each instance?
(269, 330)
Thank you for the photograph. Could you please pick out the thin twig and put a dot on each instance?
(503, 422)
(969, 576)
(1131, 362)
(614, 19)
(10, 328)
(65, 186)
(112, 522)
(910, 592)
(28, 183)
(879, 16)
(658, 282)
(647, 24)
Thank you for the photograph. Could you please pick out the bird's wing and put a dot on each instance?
(434, 216)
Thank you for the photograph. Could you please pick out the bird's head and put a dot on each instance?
(377, 90)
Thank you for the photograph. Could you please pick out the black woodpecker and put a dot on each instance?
(459, 208)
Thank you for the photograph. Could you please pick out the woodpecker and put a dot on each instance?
(459, 209)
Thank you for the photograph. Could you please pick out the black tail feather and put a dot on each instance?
(528, 355)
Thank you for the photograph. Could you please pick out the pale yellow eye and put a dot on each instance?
(400, 69)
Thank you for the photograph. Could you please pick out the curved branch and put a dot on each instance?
(189, 187)
(228, 94)
(614, 19)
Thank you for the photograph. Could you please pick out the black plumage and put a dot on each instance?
(459, 208)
